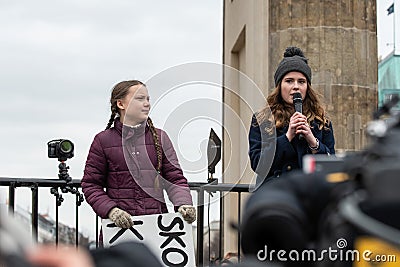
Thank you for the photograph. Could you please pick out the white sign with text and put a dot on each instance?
(167, 235)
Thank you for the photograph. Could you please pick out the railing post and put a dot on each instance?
(221, 223)
(238, 224)
(97, 231)
(77, 202)
(35, 211)
(57, 205)
(200, 226)
(11, 198)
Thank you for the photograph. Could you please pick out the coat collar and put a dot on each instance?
(128, 132)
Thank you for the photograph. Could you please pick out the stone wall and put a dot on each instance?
(339, 39)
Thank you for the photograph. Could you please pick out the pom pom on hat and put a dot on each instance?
(292, 51)
(293, 60)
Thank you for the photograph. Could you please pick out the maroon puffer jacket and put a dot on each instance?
(132, 188)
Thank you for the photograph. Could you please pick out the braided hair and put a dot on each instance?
(119, 91)
(157, 144)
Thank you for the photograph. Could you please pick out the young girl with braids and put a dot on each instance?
(293, 75)
(134, 162)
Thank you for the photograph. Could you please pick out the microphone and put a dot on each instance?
(298, 106)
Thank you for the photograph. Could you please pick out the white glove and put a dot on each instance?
(120, 217)
(188, 213)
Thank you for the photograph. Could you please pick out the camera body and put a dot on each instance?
(62, 149)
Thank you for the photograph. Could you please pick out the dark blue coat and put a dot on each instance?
(271, 155)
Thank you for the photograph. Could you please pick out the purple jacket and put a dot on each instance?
(132, 188)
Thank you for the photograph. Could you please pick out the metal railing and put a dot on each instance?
(74, 185)
(34, 184)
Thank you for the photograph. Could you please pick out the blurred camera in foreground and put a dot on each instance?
(62, 149)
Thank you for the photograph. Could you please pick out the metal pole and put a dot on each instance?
(200, 226)
(35, 211)
(57, 219)
(221, 223)
(239, 215)
(97, 231)
(394, 29)
(11, 198)
(77, 219)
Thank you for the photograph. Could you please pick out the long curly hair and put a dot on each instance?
(279, 111)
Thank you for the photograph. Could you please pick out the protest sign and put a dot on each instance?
(167, 235)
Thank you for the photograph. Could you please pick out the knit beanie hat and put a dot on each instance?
(293, 60)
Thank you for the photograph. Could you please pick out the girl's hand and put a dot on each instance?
(188, 213)
(297, 125)
(305, 130)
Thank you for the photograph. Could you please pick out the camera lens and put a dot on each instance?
(66, 146)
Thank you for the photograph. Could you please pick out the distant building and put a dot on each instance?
(389, 79)
(47, 229)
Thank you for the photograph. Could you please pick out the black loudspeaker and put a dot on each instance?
(213, 153)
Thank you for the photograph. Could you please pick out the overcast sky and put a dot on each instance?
(60, 59)
(385, 28)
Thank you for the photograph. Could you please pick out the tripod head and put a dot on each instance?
(63, 172)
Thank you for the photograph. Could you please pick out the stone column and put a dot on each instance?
(339, 39)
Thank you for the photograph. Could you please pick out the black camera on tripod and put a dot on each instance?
(62, 149)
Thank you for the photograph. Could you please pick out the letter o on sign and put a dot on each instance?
(174, 250)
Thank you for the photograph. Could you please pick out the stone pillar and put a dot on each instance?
(339, 39)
